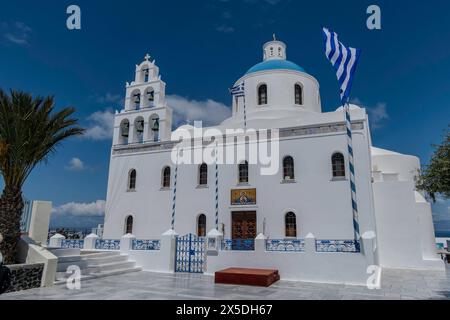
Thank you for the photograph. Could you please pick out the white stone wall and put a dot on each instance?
(405, 228)
(322, 206)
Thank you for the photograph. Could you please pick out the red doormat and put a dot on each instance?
(244, 276)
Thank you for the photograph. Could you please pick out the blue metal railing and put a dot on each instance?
(238, 244)
(107, 244)
(294, 245)
(72, 243)
(146, 244)
(350, 246)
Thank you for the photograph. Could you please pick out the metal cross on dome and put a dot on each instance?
(147, 57)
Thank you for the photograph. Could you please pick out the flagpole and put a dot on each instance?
(217, 187)
(174, 193)
(245, 113)
(351, 162)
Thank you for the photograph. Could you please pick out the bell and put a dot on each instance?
(140, 126)
(125, 129)
(155, 126)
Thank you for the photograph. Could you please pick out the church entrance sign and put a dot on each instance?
(190, 254)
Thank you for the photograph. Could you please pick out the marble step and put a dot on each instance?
(62, 280)
(64, 252)
(99, 254)
(110, 266)
(104, 260)
(62, 266)
(66, 259)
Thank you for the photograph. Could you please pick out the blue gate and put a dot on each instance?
(190, 254)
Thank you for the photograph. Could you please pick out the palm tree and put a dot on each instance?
(30, 131)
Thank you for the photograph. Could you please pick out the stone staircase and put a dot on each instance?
(93, 264)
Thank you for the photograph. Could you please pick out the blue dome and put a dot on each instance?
(274, 65)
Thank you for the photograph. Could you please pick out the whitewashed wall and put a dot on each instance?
(322, 206)
(405, 229)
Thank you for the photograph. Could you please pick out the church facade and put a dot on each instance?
(307, 196)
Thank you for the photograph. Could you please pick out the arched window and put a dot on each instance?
(154, 128)
(137, 100)
(203, 174)
(338, 165)
(201, 225)
(243, 172)
(290, 221)
(288, 168)
(146, 74)
(124, 132)
(129, 225)
(298, 94)
(166, 177)
(139, 129)
(132, 180)
(150, 94)
(262, 94)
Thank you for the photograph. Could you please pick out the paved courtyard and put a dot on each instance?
(396, 284)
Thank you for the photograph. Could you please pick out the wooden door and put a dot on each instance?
(243, 225)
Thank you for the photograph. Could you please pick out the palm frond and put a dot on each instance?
(30, 130)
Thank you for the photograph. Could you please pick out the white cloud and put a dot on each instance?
(15, 32)
(109, 98)
(96, 208)
(378, 114)
(101, 125)
(210, 112)
(76, 164)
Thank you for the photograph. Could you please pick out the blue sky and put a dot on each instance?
(202, 47)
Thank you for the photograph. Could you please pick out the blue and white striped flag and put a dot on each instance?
(238, 90)
(344, 60)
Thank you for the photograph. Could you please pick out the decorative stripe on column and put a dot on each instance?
(352, 176)
(174, 192)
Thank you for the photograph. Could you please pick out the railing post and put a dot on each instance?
(369, 246)
(214, 241)
(89, 241)
(126, 243)
(310, 243)
(56, 241)
(260, 243)
(168, 247)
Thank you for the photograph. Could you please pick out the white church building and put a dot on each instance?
(203, 217)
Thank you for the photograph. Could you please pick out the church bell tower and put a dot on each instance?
(147, 117)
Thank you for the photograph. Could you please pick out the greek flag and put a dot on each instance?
(344, 60)
(238, 90)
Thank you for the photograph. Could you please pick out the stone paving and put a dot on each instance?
(396, 284)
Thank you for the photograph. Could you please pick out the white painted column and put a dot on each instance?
(89, 241)
(260, 243)
(310, 244)
(56, 241)
(126, 243)
(213, 241)
(168, 245)
(369, 247)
